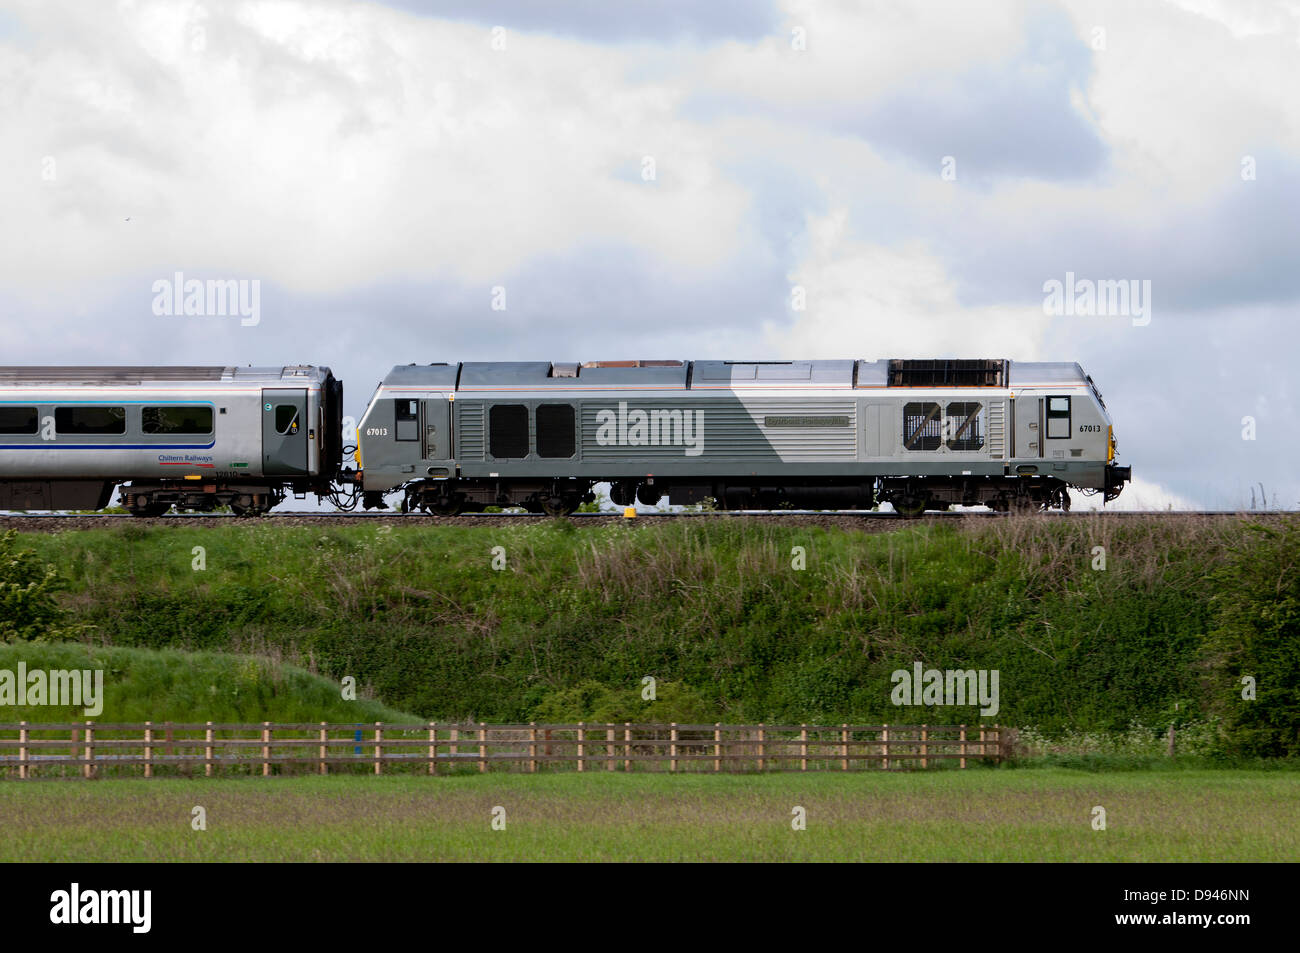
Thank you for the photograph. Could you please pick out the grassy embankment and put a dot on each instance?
(715, 611)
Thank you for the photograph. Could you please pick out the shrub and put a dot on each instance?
(1257, 596)
(28, 612)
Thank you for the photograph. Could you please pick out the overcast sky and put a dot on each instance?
(655, 179)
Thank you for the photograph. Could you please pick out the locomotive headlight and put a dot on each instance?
(1110, 444)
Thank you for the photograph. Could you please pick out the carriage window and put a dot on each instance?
(963, 428)
(18, 420)
(1058, 417)
(922, 426)
(165, 420)
(406, 419)
(90, 420)
(556, 431)
(286, 419)
(508, 430)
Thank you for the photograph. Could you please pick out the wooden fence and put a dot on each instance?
(88, 750)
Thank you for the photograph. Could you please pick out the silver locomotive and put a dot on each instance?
(918, 434)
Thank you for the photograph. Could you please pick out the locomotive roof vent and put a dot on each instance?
(632, 364)
(564, 370)
(926, 373)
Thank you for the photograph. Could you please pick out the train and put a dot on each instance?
(194, 438)
(450, 438)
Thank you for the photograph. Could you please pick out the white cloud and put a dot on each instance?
(324, 148)
(853, 51)
(871, 301)
(1183, 90)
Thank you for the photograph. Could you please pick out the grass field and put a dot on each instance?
(1038, 815)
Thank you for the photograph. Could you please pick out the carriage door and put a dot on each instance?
(284, 431)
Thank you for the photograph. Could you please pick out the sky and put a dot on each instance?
(576, 180)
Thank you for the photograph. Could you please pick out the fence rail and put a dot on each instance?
(89, 749)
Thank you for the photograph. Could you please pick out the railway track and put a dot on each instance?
(862, 520)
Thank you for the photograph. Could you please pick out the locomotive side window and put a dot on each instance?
(508, 430)
(90, 420)
(1058, 417)
(406, 422)
(556, 431)
(18, 420)
(962, 429)
(922, 426)
(167, 420)
(286, 419)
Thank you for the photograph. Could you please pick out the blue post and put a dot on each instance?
(357, 749)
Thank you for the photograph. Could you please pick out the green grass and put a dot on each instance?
(171, 685)
(713, 607)
(1043, 815)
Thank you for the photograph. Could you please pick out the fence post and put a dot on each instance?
(925, 747)
(1171, 741)
(803, 747)
(609, 748)
(627, 746)
(74, 743)
(266, 749)
(672, 746)
(379, 748)
(580, 751)
(455, 734)
(532, 746)
(433, 747)
(90, 750)
(22, 750)
(963, 746)
(324, 748)
(884, 746)
(762, 747)
(1001, 740)
(844, 739)
(148, 749)
(717, 746)
(482, 747)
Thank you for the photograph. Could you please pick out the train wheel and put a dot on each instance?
(909, 507)
(648, 495)
(445, 506)
(559, 505)
(622, 493)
